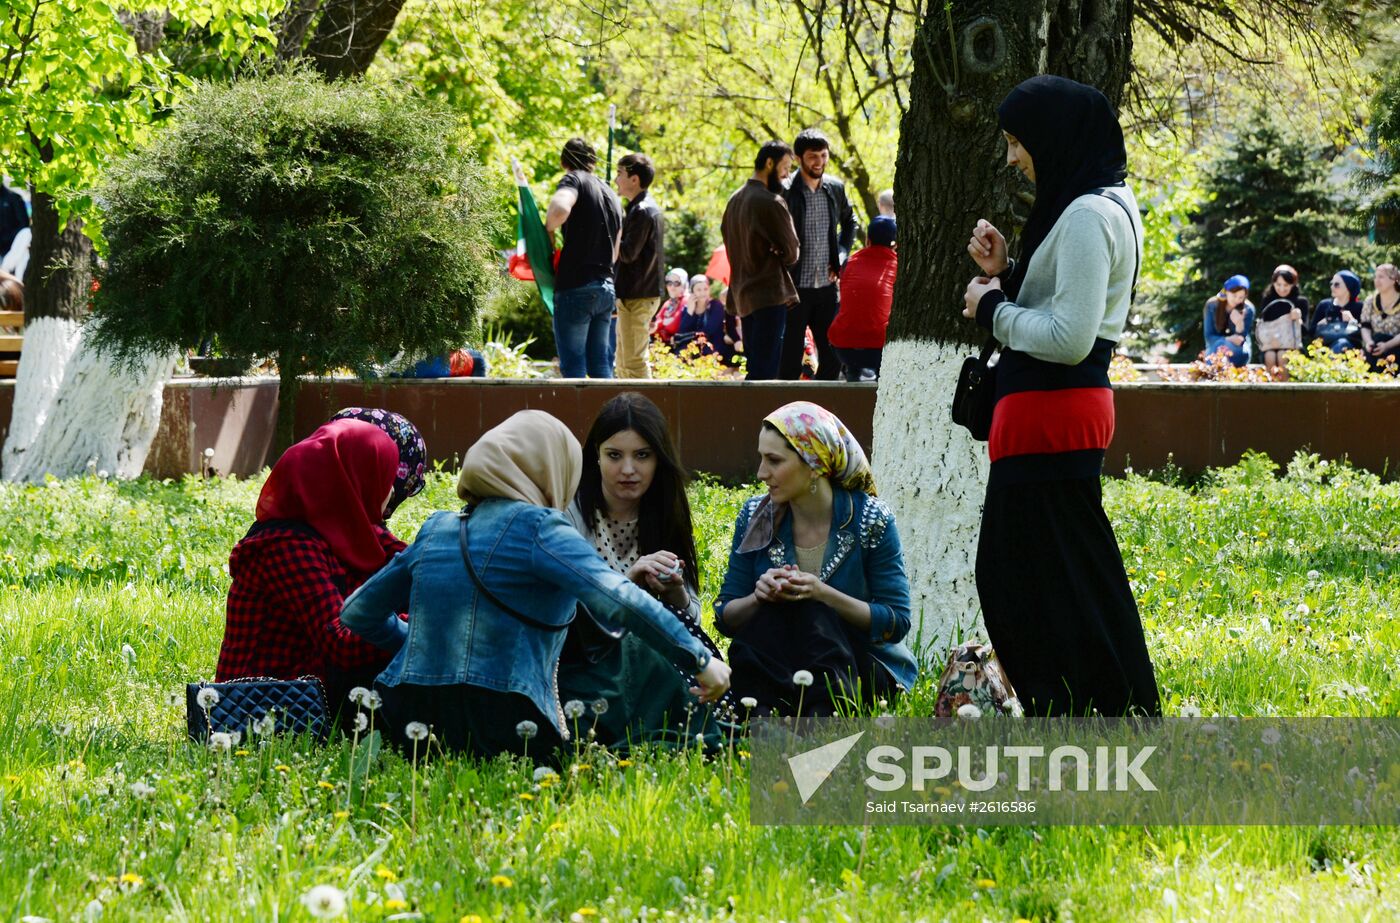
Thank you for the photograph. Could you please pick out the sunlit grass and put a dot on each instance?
(1262, 594)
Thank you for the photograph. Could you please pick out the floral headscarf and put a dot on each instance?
(413, 452)
(827, 446)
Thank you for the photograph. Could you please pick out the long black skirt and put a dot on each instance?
(782, 639)
(1056, 601)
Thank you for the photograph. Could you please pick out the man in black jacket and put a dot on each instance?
(641, 266)
(826, 228)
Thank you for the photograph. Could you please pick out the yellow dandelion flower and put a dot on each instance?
(1266, 767)
(586, 912)
(12, 779)
(326, 785)
(386, 873)
(282, 767)
(525, 796)
(471, 918)
(1240, 766)
(131, 878)
(241, 752)
(501, 881)
(943, 790)
(986, 883)
(623, 764)
(780, 787)
(341, 815)
(557, 825)
(395, 903)
(385, 805)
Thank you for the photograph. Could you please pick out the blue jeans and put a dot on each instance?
(763, 342)
(582, 329)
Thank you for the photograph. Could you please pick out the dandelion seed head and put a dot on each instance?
(1190, 711)
(142, 790)
(324, 902)
(573, 709)
(207, 698)
(372, 700)
(600, 706)
(266, 726)
(1303, 609)
(357, 695)
(222, 740)
(527, 729)
(969, 711)
(415, 731)
(544, 772)
(749, 701)
(209, 453)
(361, 721)
(802, 678)
(1271, 736)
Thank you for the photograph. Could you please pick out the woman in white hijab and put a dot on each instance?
(489, 593)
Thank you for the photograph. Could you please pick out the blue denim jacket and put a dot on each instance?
(863, 560)
(532, 559)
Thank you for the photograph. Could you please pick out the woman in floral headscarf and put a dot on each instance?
(413, 452)
(816, 592)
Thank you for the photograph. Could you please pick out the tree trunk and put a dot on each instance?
(349, 33)
(56, 299)
(289, 373)
(73, 409)
(951, 171)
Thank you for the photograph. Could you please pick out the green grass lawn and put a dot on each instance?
(1263, 593)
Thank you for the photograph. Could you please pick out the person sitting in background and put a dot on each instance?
(705, 321)
(490, 592)
(1337, 320)
(816, 582)
(668, 317)
(867, 291)
(11, 293)
(885, 203)
(1380, 317)
(320, 533)
(1229, 320)
(631, 506)
(1282, 299)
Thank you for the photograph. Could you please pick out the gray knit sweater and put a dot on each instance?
(1079, 283)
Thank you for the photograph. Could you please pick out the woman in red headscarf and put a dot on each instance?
(319, 534)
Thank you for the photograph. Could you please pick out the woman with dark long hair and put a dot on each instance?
(631, 506)
(1055, 597)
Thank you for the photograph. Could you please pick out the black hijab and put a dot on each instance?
(1076, 144)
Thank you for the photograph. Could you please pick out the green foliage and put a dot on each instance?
(516, 314)
(1261, 594)
(1266, 200)
(329, 224)
(690, 364)
(1381, 177)
(1318, 363)
(689, 242)
(76, 92)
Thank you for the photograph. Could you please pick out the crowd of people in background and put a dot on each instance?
(1346, 320)
(774, 298)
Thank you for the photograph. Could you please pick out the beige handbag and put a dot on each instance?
(1279, 333)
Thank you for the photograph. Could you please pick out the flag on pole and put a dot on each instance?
(612, 127)
(534, 251)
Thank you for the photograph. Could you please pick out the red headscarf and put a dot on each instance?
(335, 481)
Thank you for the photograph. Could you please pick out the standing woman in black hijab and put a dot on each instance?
(1054, 595)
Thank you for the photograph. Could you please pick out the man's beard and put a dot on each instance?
(775, 185)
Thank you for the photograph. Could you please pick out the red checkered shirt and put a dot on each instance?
(284, 604)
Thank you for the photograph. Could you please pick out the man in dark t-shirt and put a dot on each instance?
(591, 218)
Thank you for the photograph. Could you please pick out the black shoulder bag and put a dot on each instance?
(975, 395)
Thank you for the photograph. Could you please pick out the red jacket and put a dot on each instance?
(867, 289)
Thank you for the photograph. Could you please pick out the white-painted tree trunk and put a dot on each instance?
(104, 416)
(934, 476)
(49, 344)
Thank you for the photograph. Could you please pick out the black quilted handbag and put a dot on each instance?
(258, 706)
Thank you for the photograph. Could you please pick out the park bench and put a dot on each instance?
(10, 343)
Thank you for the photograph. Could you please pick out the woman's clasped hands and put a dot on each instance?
(788, 584)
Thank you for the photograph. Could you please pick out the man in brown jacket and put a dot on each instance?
(761, 243)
